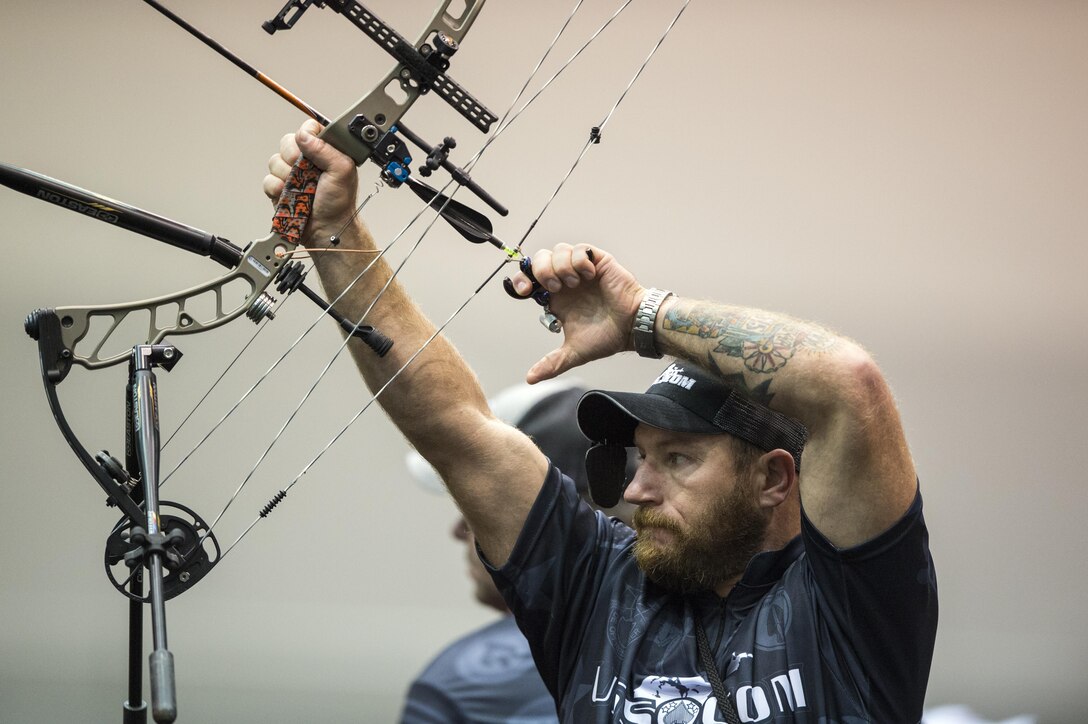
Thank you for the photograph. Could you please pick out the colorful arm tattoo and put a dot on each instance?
(765, 342)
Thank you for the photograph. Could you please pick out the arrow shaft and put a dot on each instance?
(240, 63)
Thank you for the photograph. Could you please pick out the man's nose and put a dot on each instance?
(642, 489)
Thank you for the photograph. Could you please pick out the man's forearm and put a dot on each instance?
(763, 353)
(437, 380)
(492, 470)
(857, 475)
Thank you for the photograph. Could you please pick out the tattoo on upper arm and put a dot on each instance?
(760, 392)
(763, 341)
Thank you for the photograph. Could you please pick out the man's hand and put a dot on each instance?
(336, 189)
(595, 298)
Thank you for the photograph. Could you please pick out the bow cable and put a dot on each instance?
(593, 137)
(317, 116)
(238, 356)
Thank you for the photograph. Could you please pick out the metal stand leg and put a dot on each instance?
(135, 706)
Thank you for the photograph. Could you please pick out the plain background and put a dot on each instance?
(911, 173)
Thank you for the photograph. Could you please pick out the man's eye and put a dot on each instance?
(675, 458)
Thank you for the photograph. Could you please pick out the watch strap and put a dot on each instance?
(642, 334)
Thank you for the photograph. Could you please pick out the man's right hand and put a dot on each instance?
(336, 189)
(595, 298)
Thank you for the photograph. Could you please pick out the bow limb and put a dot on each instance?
(174, 314)
(94, 328)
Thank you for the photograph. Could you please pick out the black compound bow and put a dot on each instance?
(180, 548)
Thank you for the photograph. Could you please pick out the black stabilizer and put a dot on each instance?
(116, 213)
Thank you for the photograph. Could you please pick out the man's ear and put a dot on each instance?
(778, 477)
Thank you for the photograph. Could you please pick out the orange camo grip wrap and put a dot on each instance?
(296, 201)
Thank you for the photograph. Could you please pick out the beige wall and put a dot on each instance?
(912, 173)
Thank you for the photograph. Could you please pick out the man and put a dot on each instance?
(489, 675)
(730, 601)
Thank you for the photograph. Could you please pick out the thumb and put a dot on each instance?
(553, 364)
(320, 153)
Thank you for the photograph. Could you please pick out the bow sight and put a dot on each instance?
(421, 68)
(423, 65)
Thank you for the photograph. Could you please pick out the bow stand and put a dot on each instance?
(173, 544)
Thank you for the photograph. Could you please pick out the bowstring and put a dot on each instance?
(511, 116)
(332, 359)
(502, 125)
(595, 135)
(438, 331)
(505, 121)
(317, 320)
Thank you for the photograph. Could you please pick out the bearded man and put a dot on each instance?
(748, 590)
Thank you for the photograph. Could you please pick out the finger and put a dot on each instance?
(273, 187)
(523, 285)
(584, 260)
(563, 266)
(544, 268)
(278, 166)
(289, 150)
(323, 155)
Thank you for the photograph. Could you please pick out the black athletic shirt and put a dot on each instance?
(809, 634)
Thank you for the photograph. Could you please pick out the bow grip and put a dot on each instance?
(538, 294)
(296, 201)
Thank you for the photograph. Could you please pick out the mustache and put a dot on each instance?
(645, 518)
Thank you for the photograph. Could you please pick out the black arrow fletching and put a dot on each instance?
(468, 222)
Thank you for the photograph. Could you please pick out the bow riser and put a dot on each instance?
(358, 131)
(414, 75)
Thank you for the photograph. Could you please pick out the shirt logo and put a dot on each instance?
(690, 700)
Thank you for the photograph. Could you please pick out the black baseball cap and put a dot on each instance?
(683, 398)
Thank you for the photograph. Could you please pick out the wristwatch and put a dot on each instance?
(642, 335)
